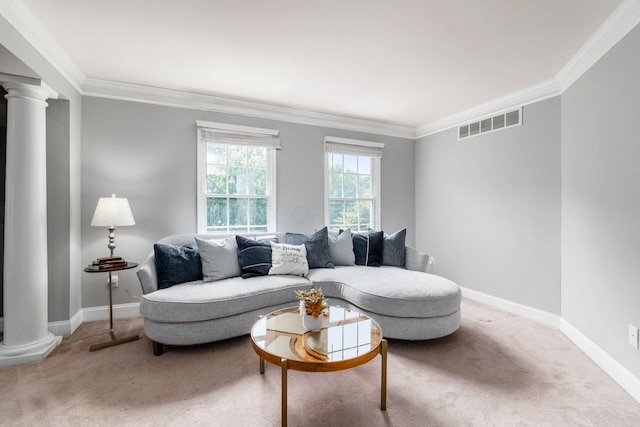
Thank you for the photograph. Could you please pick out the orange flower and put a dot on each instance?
(313, 301)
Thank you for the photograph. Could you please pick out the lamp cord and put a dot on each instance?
(125, 287)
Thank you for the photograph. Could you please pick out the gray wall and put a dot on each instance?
(488, 208)
(58, 208)
(601, 201)
(147, 153)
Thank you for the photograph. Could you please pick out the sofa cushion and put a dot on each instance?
(288, 259)
(393, 248)
(317, 245)
(197, 301)
(341, 249)
(254, 257)
(177, 264)
(390, 291)
(368, 248)
(219, 258)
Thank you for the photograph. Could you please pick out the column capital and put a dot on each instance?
(27, 87)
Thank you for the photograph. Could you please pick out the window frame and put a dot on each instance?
(237, 131)
(358, 148)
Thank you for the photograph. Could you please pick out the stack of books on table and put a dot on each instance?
(107, 263)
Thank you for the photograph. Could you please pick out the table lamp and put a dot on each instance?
(112, 212)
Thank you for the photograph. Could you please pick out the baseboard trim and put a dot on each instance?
(540, 316)
(620, 374)
(92, 314)
(62, 328)
(68, 327)
(76, 321)
(615, 370)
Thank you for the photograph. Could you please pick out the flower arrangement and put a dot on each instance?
(313, 302)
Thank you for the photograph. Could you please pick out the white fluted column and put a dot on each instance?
(26, 336)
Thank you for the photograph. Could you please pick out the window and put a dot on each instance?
(236, 178)
(352, 183)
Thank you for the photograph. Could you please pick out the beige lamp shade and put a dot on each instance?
(112, 212)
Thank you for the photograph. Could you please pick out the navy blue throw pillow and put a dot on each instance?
(368, 248)
(254, 256)
(177, 264)
(317, 245)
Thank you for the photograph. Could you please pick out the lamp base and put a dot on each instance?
(112, 240)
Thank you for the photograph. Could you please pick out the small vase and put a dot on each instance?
(310, 323)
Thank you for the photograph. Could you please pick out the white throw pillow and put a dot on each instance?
(341, 249)
(289, 259)
(219, 258)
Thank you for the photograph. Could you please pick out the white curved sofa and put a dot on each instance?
(408, 303)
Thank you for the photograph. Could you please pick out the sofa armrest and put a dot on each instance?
(415, 260)
(147, 275)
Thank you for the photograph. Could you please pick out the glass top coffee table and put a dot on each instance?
(347, 339)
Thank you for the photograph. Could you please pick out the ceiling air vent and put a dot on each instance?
(491, 124)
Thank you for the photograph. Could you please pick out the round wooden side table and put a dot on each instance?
(114, 340)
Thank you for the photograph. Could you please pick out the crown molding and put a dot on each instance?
(618, 24)
(173, 98)
(543, 91)
(615, 27)
(27, 24)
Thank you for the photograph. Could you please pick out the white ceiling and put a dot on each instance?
(405, 62)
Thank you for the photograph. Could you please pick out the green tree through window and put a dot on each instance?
(351, 201)
(236, 188)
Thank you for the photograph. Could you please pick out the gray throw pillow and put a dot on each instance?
(219, 258)
(341, 249)
(393, 248)
(317, 246)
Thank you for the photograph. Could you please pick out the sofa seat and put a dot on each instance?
(198, 301)
(390, 291)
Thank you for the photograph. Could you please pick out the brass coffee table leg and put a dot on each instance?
(283, 364)
(383, 385)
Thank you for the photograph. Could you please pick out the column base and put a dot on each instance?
(34, 352)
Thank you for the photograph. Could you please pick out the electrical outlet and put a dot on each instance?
(431, 260)
(114, 281)
(633, 336)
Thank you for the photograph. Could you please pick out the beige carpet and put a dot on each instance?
(497, 370)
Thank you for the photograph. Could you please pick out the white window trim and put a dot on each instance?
(375, 179)
(236, 128)
(377, 202)
(362, 148)
(201, 171)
